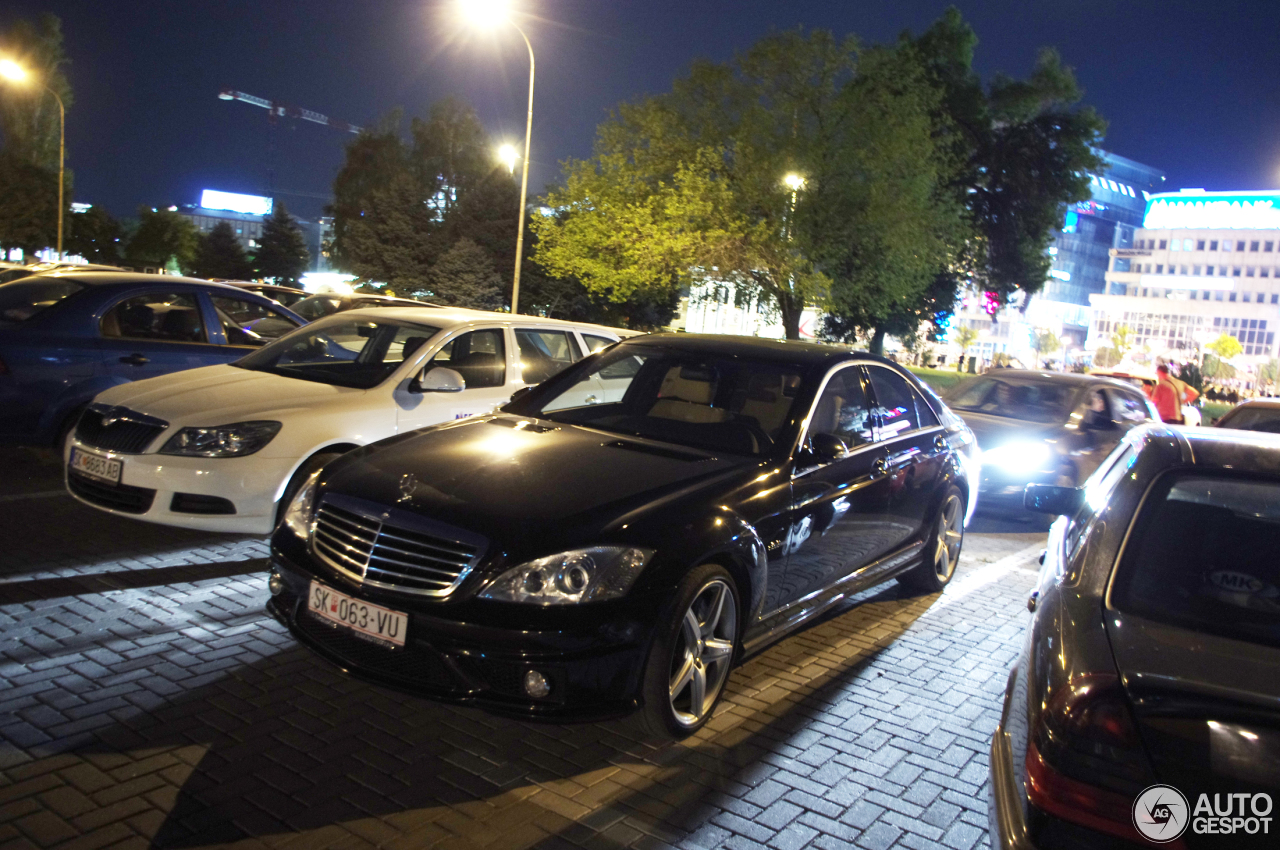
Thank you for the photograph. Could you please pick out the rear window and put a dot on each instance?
(23, 299)
(1203, 557)
(1253, 419)
(1029, 401)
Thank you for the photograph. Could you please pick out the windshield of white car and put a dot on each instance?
(1027, 400)
(23, 299)
(715, 403)
(357, 353)
(318, 306)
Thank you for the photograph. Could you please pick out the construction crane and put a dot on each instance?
(279, 110)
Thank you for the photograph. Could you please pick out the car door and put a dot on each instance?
(839, 507)
(154, 332)
(480, 356)
(915, 451)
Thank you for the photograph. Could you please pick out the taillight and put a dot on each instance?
(1085, 761)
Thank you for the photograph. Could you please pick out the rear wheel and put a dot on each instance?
(942, 552)
(692, 653)
(313, 463)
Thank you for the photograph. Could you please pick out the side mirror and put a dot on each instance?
(519, 394)
(440, 380)
(828, 447)
(1048, 499)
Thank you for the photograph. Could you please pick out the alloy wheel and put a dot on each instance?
(950, 536)
(703, 652)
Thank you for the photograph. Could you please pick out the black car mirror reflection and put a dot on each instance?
(827, 447)
(1048, 499)
(440, 379)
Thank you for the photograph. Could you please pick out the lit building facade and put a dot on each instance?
(247, 215)
(1203, 264)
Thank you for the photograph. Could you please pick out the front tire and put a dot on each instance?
(692, 653)
(942, 552)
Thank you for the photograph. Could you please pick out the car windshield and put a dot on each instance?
(1202, 557)
(716, 403)
(317, 307)
(358, 353)
(1253, 419)
(1028, 400)
(23, 299)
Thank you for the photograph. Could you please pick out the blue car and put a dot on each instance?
(67, 336)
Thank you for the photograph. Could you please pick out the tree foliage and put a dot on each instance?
(1225, 347)
(219, 255)
(164, 239)
(465, 277)
(282, 253)
(95, 235)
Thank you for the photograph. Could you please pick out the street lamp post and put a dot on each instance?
(14, 72)
(486, 13)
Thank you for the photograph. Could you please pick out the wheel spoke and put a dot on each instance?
(713, 615)
(716, 650)
(941, 558)
(682, 677)
(698, 690)
(692, 630)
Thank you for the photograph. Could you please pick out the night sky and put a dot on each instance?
(1189, 87)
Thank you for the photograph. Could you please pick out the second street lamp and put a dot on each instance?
(487, 13)
(14, 72)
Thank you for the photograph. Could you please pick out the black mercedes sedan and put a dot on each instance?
(620, 535)
(1145, 705)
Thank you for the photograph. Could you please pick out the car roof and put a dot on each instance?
(106, 280)
(1040, 376)
(450, 316)
(1250, 451)
(801, 352)
(1268, 403)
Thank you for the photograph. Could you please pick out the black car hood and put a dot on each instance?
(992, 431)
(506, 481)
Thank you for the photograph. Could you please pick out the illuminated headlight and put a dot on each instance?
(1018, 457)
(237, 440)
(580, 575)
(298, 515)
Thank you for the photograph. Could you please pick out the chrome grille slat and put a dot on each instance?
(378, 553)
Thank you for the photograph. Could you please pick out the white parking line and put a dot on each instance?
(986, 574)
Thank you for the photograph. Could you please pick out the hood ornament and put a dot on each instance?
(408, 484)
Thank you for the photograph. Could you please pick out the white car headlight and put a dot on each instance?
(579, 575)
(1018, 457)
(298, 515)
(236, 440)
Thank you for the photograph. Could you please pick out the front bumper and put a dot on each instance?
(149, 484)
(594, 664)
(1008, 830)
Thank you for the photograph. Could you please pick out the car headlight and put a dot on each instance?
(236, 440)
(579, 575)
(297, 517)
(1018, 457)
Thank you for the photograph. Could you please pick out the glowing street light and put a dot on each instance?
(794, 182)
(508, 156)
(15, 73)
(486, 14)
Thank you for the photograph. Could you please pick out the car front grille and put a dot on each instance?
(118, 429)
(382, 548)
(116, 497)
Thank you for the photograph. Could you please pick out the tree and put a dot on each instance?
(1225, 347)
(164, 239)
(29, 116)
(465, 277)
(1105, 357)
(1121, 341)
(965, 336)
(282, 253)
(219, 255)
(388, 241)
(1044, 342)
(95, 235)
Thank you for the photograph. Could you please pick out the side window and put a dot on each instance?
(166, 316)
(249, 323)
(843, 410)
(895, 403)
(595, 343)
(480, 357)
(924, 412)
(544, 353)
(1131, 407)
(1098, 489)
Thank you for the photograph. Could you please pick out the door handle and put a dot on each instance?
(879, 467)
(135, 360)
(591, 399)
(940, 443)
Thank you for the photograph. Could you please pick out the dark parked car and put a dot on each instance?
(319, 306)
(1258, 414)
(1043, 427)
(66, 336)
(1153, 656)
(621, 534)
(286, 295)
(10, 272)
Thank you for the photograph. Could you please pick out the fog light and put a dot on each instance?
(275, 583)
(536, 684)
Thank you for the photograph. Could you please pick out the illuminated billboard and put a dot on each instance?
(212, 199)
(1213, 210)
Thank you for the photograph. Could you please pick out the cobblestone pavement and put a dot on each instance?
(147, 700)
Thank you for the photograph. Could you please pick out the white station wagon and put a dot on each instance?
(221, 447)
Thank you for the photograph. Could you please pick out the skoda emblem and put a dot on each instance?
(408, 483)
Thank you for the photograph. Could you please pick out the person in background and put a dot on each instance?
(1167, 397)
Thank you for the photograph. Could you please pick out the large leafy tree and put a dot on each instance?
(30, 122)
(164, 239)
(219, 255)
(282, 254)
(95, 235)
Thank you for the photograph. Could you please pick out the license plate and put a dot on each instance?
(96, 466)
(371, 621)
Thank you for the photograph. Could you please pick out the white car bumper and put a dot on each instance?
(230, 494)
